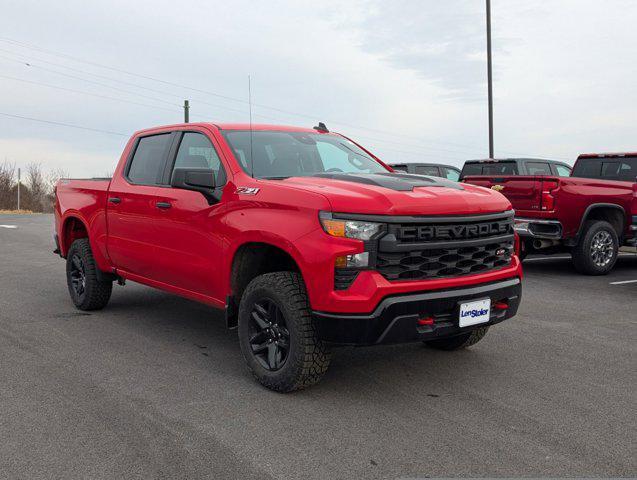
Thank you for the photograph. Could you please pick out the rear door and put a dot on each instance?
(131, 209)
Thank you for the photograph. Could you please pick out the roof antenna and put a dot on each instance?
(321, 128)
(250, 107)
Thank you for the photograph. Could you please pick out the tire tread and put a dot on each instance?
(97, 293)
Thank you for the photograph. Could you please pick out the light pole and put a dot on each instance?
(18, 189)
(489, 79)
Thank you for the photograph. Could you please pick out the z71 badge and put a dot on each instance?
(247, 190)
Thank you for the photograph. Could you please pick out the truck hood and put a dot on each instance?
(400, 194)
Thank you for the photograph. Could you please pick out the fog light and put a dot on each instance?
(359, 260)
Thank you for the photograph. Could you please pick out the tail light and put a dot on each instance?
(548, 200)
(517, 245)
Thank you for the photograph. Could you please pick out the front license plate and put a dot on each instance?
(472, 313)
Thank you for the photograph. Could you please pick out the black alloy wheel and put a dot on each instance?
(78, 278)
(269, 336)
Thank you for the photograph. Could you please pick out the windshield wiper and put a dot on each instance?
(276, 177)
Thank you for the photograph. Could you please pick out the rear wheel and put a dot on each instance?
(597, 250)
(277, 334)
(86, 290)
(458, 342)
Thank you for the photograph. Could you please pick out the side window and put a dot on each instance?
(471, 169)
(538, 168)
(452, 174)
(610, 170)
(147, 165)
(427, 170)
(563, 171)
(196, 151)
(400, 168)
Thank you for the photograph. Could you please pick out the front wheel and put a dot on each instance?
(458, 342)
(597, 249)
(277, 335)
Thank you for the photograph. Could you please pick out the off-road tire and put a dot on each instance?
(581, 254)
(308, 357)
(96, 293)
(457, 342)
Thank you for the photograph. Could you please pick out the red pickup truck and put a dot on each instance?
(305, 238)
(590, 214)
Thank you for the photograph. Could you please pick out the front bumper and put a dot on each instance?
(538, 228)
(395, 319)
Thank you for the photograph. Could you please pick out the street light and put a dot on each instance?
(489, 79)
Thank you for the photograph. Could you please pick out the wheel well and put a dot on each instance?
(612, 215)
(254, 259)
(73, 229)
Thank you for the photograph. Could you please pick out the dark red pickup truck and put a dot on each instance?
(589, 214)
(305, 238)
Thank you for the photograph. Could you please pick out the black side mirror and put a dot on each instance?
(200, 180)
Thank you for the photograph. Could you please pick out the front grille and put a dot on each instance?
(446, 247)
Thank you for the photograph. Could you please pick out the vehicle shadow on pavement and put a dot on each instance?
(199, 330)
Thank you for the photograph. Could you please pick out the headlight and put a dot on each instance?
(349, 228)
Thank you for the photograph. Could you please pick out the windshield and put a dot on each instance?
(278, 154)
(607, 168)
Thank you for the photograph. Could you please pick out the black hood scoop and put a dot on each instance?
(401, 182)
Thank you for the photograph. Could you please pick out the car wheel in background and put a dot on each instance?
(597, 250)
(458, 342)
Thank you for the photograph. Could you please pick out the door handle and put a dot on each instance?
(115, 200)
(163, 205)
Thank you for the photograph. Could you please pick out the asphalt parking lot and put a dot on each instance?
(155, 387)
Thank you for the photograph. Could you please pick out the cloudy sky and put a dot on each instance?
(405, 78)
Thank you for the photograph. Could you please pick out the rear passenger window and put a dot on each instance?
(400, 168)
(147, 165)
(427, 170)
(196, 151)
(538, 168)
(563, 171)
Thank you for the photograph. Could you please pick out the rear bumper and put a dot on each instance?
(538, 228)
(395, 319)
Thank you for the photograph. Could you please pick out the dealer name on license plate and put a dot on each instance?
(472, 313)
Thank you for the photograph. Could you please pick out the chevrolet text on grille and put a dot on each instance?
(443, 232)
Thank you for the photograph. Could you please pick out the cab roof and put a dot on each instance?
(234, 126)
(608, 155)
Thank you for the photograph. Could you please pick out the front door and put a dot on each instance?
(190, 241)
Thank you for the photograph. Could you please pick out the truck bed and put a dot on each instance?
(561, 198)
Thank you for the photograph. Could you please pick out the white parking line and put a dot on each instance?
(8, 226)
(623, 282)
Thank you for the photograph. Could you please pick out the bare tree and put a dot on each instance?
(37, 188)
(8, 200)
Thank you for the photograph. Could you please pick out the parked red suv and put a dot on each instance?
(590, 214)
(305, 238)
